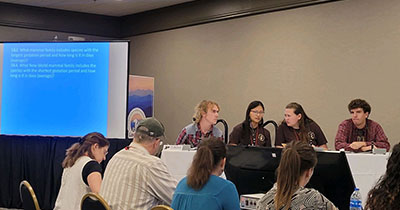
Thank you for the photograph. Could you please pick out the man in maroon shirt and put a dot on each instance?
(359, 133)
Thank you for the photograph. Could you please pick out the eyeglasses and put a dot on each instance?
(258, 113)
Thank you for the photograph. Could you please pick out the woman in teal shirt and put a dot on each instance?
(203, 188)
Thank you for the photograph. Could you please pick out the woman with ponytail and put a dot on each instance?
(250, 131)
(386, 193)
(203, 188)
(82, 170)
(295, 170)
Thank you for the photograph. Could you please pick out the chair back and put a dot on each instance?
(225, 129)
(28, 197)
(93, 201)
(161, 207)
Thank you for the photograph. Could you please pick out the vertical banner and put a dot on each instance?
(140, 100)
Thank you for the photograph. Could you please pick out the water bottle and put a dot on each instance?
(355, 200)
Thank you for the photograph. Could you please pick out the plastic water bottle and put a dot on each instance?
(355, 200)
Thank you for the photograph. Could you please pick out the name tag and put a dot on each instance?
(176, 147)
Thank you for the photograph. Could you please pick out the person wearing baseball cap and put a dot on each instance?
(135, 178)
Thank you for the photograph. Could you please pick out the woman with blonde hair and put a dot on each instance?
(82, 170)
(203, 188)
(294, 171)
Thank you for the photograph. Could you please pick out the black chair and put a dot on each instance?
(28, 197)
(273, 123)
(225, 129)
(275, 126)
(93, 201)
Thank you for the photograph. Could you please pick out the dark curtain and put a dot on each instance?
(37, 159)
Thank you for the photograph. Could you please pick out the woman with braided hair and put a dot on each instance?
(386, 193)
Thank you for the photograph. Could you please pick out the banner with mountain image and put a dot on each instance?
(140, 100)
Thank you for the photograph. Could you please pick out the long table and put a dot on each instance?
(366, 168)
(178, 162)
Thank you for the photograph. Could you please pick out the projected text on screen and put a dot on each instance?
(54, 88)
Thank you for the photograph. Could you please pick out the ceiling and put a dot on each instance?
(102, 7)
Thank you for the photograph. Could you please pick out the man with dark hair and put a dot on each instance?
(135, 178)
(359, 133)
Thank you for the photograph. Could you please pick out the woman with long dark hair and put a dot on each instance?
(203, 188)
(294, 171)
(251, 131)
(82, 170)
(297, 126)
(386, 193)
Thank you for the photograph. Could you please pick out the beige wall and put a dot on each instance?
(321, 56)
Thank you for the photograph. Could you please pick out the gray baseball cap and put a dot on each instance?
(151, 127)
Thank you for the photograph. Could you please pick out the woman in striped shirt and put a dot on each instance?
(295, 170)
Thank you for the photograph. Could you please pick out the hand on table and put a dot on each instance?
(366, 148)
(357, 145)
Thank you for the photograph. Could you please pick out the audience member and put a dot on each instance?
(359, 133)
(293, 173)
(134, 177)
(82, 170)
(250, 131)
(205, 117)
(203, 188)
(297, 126)
(386, 193)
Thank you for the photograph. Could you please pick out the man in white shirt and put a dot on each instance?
(134, 177)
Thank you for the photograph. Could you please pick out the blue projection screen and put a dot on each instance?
(63, 88)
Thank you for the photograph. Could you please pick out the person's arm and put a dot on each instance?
(182, 137)
(91, 175)
(380, 139)
(324, 146)
(161, 183)
(94, 180)
(267, 140)
(319, 201)
(234, 136)
(262, 203)
(365, 148)
(320, 136)
(280, 136)
(230, 197)
(342, 136)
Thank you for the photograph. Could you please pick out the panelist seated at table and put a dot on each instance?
(386, 193)
(359, 133)
(203, 188)
(294, 171)
(205, 118)
(250, 131)
(297, 126)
